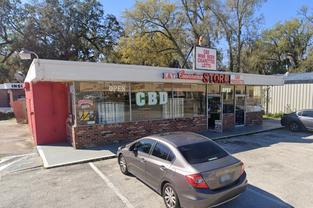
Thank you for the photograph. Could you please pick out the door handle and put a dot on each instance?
(162, 167)
(142, 160)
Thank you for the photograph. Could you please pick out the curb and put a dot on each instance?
(246, 133)
(79, 162)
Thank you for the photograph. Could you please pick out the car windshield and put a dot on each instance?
(202, 152)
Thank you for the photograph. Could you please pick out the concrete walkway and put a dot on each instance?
(64, 154)
(268, 125)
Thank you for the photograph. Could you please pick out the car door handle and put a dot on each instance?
(142, 160)
(163, 168)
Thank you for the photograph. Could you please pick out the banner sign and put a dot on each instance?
(206, 77)
(236, 79)
(205, 58)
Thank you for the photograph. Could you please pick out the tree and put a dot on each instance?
(58, 29)
(159, 17)
(71, 30)
(182, 23)
(304, 12)
(11, 24)
(238, 22)
(147, 49)
(285, 47)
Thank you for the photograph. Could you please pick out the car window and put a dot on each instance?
(202, 152)
(307, 113)
(144, 145)
(163, 152)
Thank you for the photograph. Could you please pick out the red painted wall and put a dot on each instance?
(47, 111)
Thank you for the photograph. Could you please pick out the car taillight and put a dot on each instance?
(196, 181)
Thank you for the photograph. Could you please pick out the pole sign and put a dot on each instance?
(205, 58)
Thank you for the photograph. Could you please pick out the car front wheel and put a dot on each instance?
(170, 196)
(123, 165)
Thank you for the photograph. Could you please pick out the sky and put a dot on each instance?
(273, 10)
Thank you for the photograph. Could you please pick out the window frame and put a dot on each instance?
(140, 140)
(169, 153)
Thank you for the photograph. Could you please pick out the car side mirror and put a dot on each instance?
(135, 151)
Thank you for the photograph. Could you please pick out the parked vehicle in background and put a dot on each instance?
(187, 169)
(300, 120)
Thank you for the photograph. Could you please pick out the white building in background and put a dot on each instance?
(296, 94)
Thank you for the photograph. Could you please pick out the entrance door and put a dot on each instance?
(214, 110)
(240, 109)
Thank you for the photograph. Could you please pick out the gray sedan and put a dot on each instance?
(300, 120)
(187, 169)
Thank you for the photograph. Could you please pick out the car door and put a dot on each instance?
(139, 153)
(158, 164)
(307, 119)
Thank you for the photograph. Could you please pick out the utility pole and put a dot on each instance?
(199, 42)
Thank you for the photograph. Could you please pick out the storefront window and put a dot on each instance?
(240, 90)
(188, 100)
(102, 102)
(214, 89)
(228, 99)
(150, 101)
(110, 102)
(254, 99)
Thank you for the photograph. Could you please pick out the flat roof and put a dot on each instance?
(298, 78)
(68, 71)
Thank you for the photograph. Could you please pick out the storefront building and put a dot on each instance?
(91, 104)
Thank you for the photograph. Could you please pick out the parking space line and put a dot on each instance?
(11, 163)
(5, 159)
(111, 186)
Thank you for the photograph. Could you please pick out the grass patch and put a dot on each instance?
(276, 116)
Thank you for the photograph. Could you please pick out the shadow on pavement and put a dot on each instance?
(255, 197)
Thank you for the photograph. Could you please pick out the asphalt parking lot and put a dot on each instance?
(278, 164)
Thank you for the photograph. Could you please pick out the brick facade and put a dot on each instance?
(228, 121)
(254, 118)
(95, 135)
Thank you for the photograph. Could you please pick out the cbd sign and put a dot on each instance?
(151, 98)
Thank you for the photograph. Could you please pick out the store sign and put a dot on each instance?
(213, 78)
(205, 58)
(11, 86)
(236, 79)
(216, 78)
(117, 88)
(151, 98)
(169, 75)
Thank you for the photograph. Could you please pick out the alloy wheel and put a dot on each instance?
(170, 197)
(123, 165)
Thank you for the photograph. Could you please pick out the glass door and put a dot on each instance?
(214, 110)
(240, 105)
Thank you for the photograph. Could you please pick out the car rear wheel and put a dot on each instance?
(123, 165)
(294, 126)
(170, 196)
